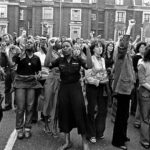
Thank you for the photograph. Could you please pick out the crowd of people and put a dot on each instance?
(73, 82)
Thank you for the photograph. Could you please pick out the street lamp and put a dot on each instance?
(60, 9)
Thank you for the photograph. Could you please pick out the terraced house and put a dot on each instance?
(75, 18)
(111, 18)
(71, 18)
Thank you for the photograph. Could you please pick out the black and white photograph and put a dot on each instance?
(74, 74)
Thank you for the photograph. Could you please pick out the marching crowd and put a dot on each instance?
(73, 82)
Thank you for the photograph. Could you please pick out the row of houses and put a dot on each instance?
(75, 18)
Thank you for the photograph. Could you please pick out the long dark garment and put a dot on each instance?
(122, 115)
(71, 108)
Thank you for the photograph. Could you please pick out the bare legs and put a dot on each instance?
(85, 143)
(68, 143)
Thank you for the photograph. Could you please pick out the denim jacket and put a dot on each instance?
(124, 76)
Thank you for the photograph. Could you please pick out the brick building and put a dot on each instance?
(71, 18)
(14, 16)
(110, 17)
(75, 18)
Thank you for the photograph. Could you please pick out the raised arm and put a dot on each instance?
(136, 40)
(130, 26)
(88, 57)
(124, 42)
(48, 58)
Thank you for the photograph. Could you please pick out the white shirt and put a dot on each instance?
(93, 74)
(42, 57)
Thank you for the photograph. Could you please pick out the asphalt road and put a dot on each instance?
(42, 141)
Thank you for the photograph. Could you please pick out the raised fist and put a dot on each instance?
(132, 22)
(138, 37)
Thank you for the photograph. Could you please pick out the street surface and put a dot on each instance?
(43, 141)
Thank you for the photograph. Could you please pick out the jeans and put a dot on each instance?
(96, 121)
(145, 115)
(24, 101)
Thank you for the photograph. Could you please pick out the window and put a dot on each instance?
(21, 14)
(146, 17)
(47, 29)
(47, 13)
(75, 32)
(76, 1)
(3, 29)
(75, 14)
(146, 32)
(119, 2)
(22, 0)
(120, 32)
(146, 2)
(3, 11)
(93, 16)
(48, 0)
(121, 16)
(94, 1)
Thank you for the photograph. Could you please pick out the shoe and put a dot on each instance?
(27, 134)
(6, 108)
(127, 139)
(146, 146)
(20, 134)
(92, 140)
(100, 137)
